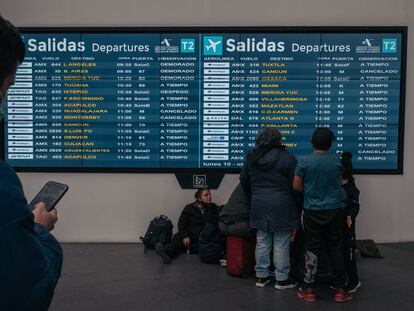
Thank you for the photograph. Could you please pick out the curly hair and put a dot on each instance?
(269, 136)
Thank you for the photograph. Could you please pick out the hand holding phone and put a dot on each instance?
(50, 195)
(43, 217)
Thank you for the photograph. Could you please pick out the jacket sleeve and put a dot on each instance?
(31, 257)
(184, 222)
(290, 168)
(290, 172)
(52, 250)
(245, 179)
(353, 201)
(42, 293)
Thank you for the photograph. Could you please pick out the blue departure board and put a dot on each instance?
(195, 99)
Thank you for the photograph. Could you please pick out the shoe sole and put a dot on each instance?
(343, 300)
(261, 285)
(355, 288)
(285, 286)
(305, 298)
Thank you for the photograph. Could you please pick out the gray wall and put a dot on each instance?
(115, 207)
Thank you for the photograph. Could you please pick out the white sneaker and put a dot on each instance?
(262, 282)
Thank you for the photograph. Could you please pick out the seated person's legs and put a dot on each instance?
(171, 250)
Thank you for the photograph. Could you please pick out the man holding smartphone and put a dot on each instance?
(30, 257)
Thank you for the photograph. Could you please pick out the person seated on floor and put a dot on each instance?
(192, 220)
(212, 243)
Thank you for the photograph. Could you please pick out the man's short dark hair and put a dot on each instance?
(12, 49)
(269, 136)
(322, 138)
(197, 194)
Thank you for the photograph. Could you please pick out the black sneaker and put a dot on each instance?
(261, 282)
(160, 250)
(352, 288)
(289, 283)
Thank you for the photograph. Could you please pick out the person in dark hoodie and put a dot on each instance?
(267, 176)
(352, 210)
(30, 257)
(192, 220)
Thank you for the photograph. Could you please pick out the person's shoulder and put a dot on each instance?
(5, 168)
(249, 155)
(189, 206)
(8, 176)
(335, 158)
(13, 204)
(287, 154)
(305, 158)
(287, 158)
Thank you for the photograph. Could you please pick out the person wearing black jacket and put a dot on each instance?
(30, 256)
(192, 220)
(267, 176)
(352, 210)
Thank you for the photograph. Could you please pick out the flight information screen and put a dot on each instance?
(165, 99)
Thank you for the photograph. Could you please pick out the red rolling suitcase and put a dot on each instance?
(240, 256)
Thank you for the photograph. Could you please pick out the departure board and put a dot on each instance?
(168, 99)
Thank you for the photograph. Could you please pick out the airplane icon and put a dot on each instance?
(166, 42)
(367, 42)
(213, 45)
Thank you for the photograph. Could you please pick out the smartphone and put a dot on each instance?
(50, 194)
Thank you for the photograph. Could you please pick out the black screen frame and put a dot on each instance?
(403, 30)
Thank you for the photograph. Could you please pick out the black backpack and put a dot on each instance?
(159, 230)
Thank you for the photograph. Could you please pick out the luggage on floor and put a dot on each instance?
(240, 256)
(160, 230)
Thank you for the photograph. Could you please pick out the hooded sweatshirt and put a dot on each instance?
(267, 175)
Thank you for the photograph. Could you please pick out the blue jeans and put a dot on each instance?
(281, 259)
